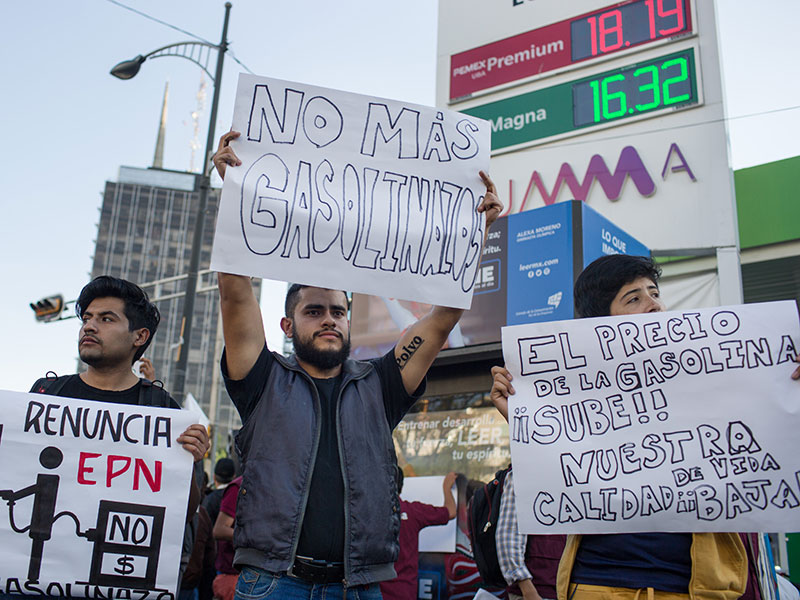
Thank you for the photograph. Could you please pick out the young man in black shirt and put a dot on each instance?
(118, 324)
(318, 511)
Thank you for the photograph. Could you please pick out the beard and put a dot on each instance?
(321, 359)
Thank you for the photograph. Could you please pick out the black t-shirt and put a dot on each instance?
(76, 388)
(325, 507)
(322, 533)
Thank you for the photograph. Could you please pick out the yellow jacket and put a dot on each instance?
(719, 566)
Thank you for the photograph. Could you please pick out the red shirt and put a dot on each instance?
(225, 550)
(413, 517)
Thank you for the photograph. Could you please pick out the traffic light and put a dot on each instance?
(48, 309)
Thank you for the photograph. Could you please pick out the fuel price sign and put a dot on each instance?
(640, 90)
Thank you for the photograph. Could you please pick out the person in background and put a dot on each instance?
(224, 472)
(227, 574)
(529, 562)
(199, 574)
(415, 516)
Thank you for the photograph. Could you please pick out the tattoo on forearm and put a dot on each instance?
(407, 351)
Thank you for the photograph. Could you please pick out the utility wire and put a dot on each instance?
(152, 18)
(189, 33)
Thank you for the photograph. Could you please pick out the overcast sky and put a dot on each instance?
(68, 125)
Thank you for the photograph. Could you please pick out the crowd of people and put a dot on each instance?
(311, 506)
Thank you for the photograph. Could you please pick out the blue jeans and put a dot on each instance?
(257, 584)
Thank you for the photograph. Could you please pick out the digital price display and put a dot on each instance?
(640, 88)
(558, 46)
(625, 25)
(647, 87)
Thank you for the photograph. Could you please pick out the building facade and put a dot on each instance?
(144, 234)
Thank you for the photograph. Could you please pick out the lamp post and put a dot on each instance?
(198, 53)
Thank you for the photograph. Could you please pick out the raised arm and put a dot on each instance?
(225, 155)
(447, 491)
(242, 326)
(421, 343)
(501, 390)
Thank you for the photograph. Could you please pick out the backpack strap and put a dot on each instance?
(152, 393)
(50, 384)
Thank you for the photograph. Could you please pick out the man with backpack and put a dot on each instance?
(661, 565)
(415, 516)
(529, 563)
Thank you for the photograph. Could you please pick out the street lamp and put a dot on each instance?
(198, 53)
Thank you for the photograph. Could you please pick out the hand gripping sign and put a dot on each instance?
(353, 192)
(96, 497)
(674, 421)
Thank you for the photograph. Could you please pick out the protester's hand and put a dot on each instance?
(796, 374)
(528, 590)
(195, 441)
(146, 369)
(449, 481)
(491, 204)
(225, 155)
(501, 390)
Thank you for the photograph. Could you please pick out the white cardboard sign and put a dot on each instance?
(94, 497)
(674, 421)
(347, 191)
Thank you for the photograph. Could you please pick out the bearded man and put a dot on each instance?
(318, 513)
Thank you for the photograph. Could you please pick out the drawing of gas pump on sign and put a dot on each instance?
(126, 537)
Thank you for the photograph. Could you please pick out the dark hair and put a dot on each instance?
(140, 312)
(225, 470)
(293, 297)
(599, 283)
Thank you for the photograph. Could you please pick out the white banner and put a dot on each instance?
(674, 421)
(352, 192)
(96, 497)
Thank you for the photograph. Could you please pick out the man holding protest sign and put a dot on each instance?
(319, 505)
(620, 566)
(118, 324)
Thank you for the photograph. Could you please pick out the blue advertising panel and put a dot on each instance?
(601, 237)
(529, 265)
(539, 265)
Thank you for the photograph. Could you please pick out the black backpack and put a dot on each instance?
(150, 394)
(482, 513)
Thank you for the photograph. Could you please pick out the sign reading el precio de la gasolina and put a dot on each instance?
(671, 421)
(646, 88)
(594, 35)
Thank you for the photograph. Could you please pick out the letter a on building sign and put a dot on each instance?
(353, 192)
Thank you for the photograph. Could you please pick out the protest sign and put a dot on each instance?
(96, 497)
(674, 421)
(353, 192)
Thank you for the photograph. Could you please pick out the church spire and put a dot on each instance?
(158, 157)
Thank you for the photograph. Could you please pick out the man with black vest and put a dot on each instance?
(318, 511)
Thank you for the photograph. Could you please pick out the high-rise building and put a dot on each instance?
(145, 235)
